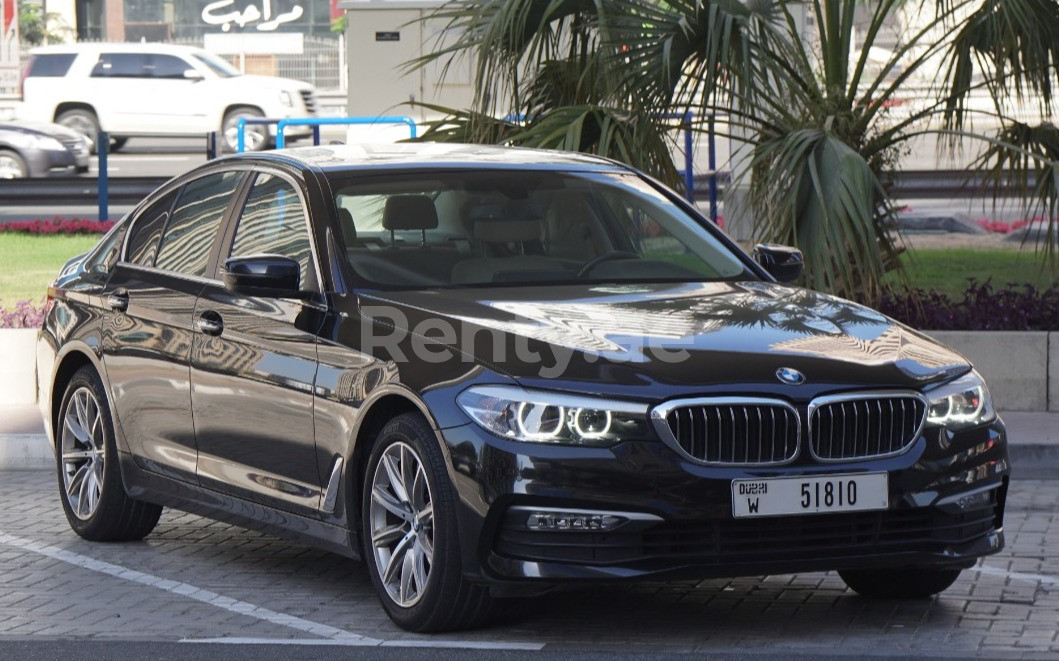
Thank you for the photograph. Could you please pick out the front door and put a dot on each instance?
(254, 365)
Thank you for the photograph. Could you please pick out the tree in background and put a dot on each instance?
(36, 26)
(819, 118)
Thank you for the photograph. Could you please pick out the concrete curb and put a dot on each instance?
(25, 452)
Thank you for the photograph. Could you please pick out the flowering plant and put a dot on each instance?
(25, 314)
(57, 225)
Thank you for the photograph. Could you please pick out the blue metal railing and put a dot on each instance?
(316, 123)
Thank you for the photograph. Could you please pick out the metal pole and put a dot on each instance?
(240, 135)
(711, 140)
(316, 135)
(689, 175)
(102, 146)
(211, 145)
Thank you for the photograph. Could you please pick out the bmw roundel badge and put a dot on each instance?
(790, 376)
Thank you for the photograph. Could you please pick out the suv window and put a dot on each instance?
(50, 65)
(273, 223)
(121, 65)
(195, 222)
(147, 231)
(168, 66)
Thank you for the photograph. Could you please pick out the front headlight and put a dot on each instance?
(286, 99)
(538, 416)
(962, 403)
(46, 143)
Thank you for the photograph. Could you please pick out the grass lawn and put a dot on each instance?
(29, 263)
(947, 269)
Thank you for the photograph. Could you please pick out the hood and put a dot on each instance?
(56, 131)
(272, 82)
(684, 337)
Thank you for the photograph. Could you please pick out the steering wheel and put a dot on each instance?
(591, 264)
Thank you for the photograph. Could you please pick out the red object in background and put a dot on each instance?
(9, 14)
(335, 11)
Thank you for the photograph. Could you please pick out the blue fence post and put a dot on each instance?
(689, 157)
(712, 147)
(240, 135)
(316, 135)
(211, 145)
(102, 147)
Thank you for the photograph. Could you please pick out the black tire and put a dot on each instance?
(107, 514)
(256, 136)
(12, 165)
(117, 143)
(448, 601)
(83, 121)
(900, 583)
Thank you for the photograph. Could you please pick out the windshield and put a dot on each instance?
(521, 227)
(217, 65)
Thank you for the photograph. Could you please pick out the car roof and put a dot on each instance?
(434, 155)
(117, 47)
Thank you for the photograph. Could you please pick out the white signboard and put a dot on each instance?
(249, 43)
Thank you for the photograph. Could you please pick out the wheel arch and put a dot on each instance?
(74, 105)
(72, 360)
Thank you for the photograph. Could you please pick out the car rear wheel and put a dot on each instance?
(82, 121)
(900, 583)
(90, 486)
(255, 136)
(12, 166)
(409, 531)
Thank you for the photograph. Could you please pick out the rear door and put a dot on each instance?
(149, 323)
(254, 371)
(120, 92)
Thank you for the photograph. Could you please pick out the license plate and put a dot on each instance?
(777, 496)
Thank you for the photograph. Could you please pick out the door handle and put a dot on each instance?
(118, 301)
(210, 324)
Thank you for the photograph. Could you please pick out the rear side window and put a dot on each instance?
(147, 232)
(273, 223)
(121, 65)
(195, 223)
(50, 65)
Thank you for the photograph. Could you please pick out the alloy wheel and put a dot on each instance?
(401, 515)
(83, 449)
(11, 167)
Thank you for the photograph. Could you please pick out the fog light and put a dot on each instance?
(560, 520)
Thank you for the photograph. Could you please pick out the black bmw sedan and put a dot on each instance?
(487, 372)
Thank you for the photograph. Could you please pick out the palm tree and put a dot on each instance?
(814, 112)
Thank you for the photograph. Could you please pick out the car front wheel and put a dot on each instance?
(255, 136)
(12, 166)
(900, 583)
(409, 531)
(90, 485)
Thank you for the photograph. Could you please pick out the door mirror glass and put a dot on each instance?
(782, 262)
(270, 276)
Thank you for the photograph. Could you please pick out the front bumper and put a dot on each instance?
(946, 496)
(56, 163)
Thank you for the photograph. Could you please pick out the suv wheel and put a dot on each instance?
(90, 484)
(255, 136)
(12, 166)
(900, 583)
(83, 121)
(409, 530)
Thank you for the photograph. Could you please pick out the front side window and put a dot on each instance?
(195, 222)
(168, 66)
(121, 65)
(484, 227)
(146, 232)
(273, 223)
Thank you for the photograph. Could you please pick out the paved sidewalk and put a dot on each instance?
(194, 579)
(1034, 439)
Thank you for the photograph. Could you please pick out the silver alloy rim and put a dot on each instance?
(10, 167)
(82, 125)
(402, 524)
(253, 136)
(83, 453)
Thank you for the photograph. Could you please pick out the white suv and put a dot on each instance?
(157, 89)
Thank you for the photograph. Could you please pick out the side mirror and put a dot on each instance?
(193, 74)
(782, 262)
(269, 276)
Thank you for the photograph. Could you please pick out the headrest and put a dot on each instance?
(409, 212)
(346, 226)
(503, 231)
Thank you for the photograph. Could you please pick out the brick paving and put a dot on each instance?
(198, 579)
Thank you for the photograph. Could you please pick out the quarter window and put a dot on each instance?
(273, 223)
(50, 65)
(147, 232)
(195, 223)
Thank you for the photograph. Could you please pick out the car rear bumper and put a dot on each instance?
(946, 506)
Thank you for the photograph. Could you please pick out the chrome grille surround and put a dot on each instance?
(862, 412)
(677, 421)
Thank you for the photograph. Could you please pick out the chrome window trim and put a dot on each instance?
(659, 413)
(866, 395)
